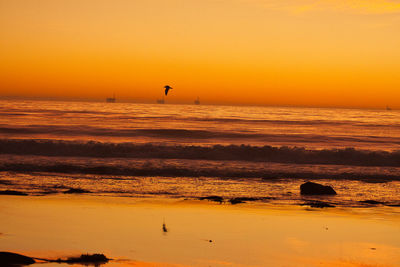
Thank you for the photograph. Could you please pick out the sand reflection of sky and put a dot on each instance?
(130, 230)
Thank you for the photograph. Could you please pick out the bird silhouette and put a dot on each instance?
(167, 88)
(164, 226)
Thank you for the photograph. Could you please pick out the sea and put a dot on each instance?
(193, 151)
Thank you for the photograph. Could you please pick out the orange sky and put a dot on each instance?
(268, 52)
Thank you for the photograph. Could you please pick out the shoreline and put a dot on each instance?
(350, 193)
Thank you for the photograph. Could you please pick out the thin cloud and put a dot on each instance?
(353, 6)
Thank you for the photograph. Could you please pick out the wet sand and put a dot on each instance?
(130, 230)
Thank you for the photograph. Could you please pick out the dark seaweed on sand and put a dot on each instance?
(238, 200)
(76, 191)
(213, 198)
(318, 204)
(14, 259)
(86, 259)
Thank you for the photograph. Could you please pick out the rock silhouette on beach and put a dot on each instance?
(310, 188)
(14, 259)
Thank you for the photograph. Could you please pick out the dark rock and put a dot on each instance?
(238, 200)
(76, 191)
(310, 188)
(213, 198)
(14, 259)
(86, 259)
(318, 204)
(13, 193)
(372, 202)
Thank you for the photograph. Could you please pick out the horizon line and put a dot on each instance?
(210, 103)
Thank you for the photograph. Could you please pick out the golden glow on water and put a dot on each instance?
(205, 124)
(319, 53)
(247, 235)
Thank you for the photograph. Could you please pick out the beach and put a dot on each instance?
(200, 233)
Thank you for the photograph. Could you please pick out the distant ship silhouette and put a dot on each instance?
(388, 108)
(197, 101)
(160, 101)
(111, 99)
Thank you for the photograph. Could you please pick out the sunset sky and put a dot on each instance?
(264, 52)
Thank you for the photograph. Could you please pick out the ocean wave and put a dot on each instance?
(283, 154)
(296, 122)
(193, 135)
(49, 111)
(180, 171)
(85, 130)
(245, 120)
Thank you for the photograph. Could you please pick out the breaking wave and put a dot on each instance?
(283, 154)
(193, 135)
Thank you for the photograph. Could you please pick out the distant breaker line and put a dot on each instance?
(283, 154)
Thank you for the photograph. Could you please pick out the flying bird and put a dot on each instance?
(167, 88)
